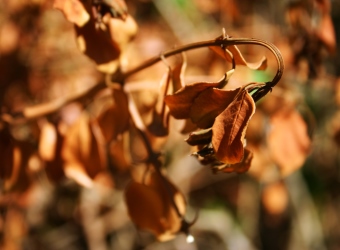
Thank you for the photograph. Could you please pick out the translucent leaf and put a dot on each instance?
(74, 11)
(288, 140)
(98, 46)
(239, 168)
(151, 208)
(83, 151)
(238, 57)
(47, 141)
(114, 120)
(160, 115)
(50, 145)
(230, 127)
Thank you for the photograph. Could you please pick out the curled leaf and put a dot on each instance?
(209, 104)
(83, 151)
(50, 145)
(74, 11)
(151, 206)
(97, 45)
(180, 103)
(239, 168)
(199, 137)
(238, 57)
(114, 120)
(229, 129)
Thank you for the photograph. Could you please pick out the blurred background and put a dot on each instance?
(290, 197)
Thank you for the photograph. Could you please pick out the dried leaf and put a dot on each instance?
(47, 142)
(160, 115)
(230, 127)
(114, 120)
(180, 103)
(6, 153)
(288, 140)
(116, 8)
(326, 33)
(239, 168)
(209, 104)
(98, 45)
(151, 208)
(19, 179)
(178, 74)
(199, 137)
(83, 151)
(119, 155)
(74, 11)
(238, 57)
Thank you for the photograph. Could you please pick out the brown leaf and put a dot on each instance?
(150, 206)
(160, 115)
(114, 120)
(97, 44)
(74, 11)
(178, 74)
(83, 151)
(47, 141)
(238, 57)
(19, 180)
(116, 8)
(230, 127)
(288, 140)
(326, 33)
(118, 153)
(209, 104)
(181, 102)
(6, 153)
(239, 168)
(200, 137)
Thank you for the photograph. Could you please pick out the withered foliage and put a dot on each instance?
(109, 136)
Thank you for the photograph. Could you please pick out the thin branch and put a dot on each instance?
(39, 110)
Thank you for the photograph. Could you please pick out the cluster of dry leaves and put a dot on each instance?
(107, 127)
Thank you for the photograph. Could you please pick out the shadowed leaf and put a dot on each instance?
(74, 11)
(114, 120)
(83, 151)
(209, 104)
(180, 103)
(239, 168)
(150, 206)
(230, 127)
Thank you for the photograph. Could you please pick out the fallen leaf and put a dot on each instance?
(230, 127)
(288, 140)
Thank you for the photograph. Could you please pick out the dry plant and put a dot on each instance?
(112, 129)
